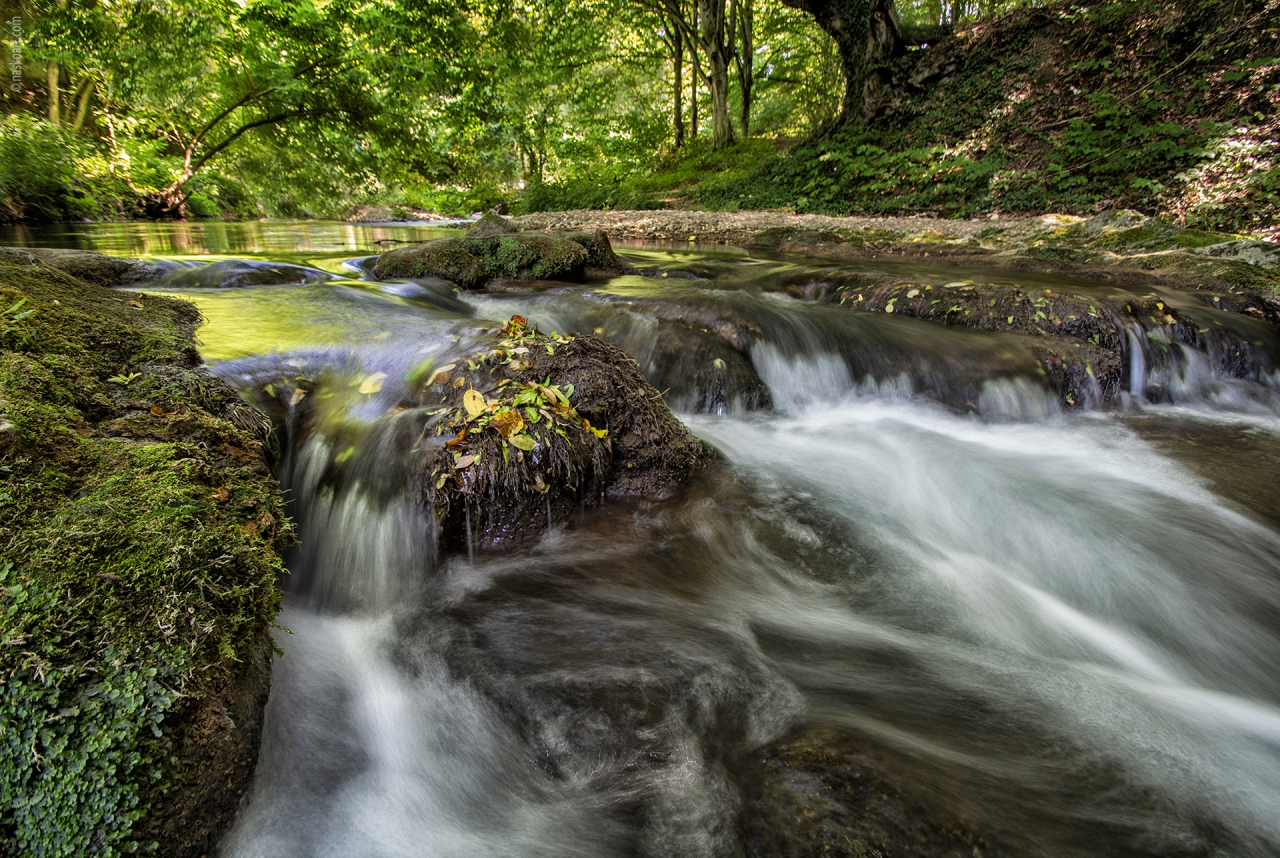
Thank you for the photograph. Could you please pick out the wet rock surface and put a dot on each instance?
(96, 268)
(241, 273)
(818, 792)
(541, 428)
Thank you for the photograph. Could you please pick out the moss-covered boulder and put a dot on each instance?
(600, 255)
(445, 258)
(96, 268)
(539, 428)
(470, 263)
(143, 533)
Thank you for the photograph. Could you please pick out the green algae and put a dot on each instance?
(142, 533)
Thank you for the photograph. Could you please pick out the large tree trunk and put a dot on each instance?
(866, 32)
(712, 34)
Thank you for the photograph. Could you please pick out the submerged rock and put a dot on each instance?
(818, 792)
(239, 273)
(143, 535)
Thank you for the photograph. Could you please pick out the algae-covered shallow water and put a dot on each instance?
(1036, 631)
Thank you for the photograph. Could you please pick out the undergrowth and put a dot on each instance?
(1166, 108)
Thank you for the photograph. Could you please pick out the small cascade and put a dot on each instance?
(1051, 635)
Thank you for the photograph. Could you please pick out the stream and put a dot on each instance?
(1042, 631)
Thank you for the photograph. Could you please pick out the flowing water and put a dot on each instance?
(1057, 630)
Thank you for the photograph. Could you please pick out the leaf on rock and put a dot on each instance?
(473, 401)
(523, 442)
(507, 423)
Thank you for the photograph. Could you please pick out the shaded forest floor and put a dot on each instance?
(1167, 108)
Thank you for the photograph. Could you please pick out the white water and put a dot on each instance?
(1042, 624)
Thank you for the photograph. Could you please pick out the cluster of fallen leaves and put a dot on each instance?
(523, 415)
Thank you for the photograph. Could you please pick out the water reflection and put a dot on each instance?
(281, 238)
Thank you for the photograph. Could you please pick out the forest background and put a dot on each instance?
(304, 108)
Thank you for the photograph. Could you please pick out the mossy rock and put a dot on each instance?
(143, 535)
(490, 223)
(470, 263)
(539, 428)
(600, 255)
(446, 258)
(96, 268)
(529, 256)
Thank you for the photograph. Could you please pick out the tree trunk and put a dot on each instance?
(693, 81)
(712, 32)
(82, 101)
(55, 113)
(746, 61)
(866, 32)
(677, 62)
(957, 9)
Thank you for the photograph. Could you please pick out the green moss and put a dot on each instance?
(472, 262)
(143, 534)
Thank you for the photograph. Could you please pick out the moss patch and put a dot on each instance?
(472, 262)
(143, 534)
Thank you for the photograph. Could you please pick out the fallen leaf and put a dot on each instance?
(372, 383)
(298, 395)
(137, 304)
(522, 442)
(519, 321)
(158, 411)
(473, 401)
(223, 494)
(507, 423)
(466, 461)
(911, 293)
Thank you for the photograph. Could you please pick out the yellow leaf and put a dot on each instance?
(473, 401)
(372, 383)
(507, 423)
(522, 442)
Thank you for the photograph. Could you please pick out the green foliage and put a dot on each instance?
(1155, 126)
(73, 758)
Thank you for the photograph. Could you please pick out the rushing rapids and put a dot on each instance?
(1029, 613)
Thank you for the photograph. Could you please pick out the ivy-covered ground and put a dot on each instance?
(141, 533)
(1169, 108)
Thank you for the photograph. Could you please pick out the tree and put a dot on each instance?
(865, 32)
